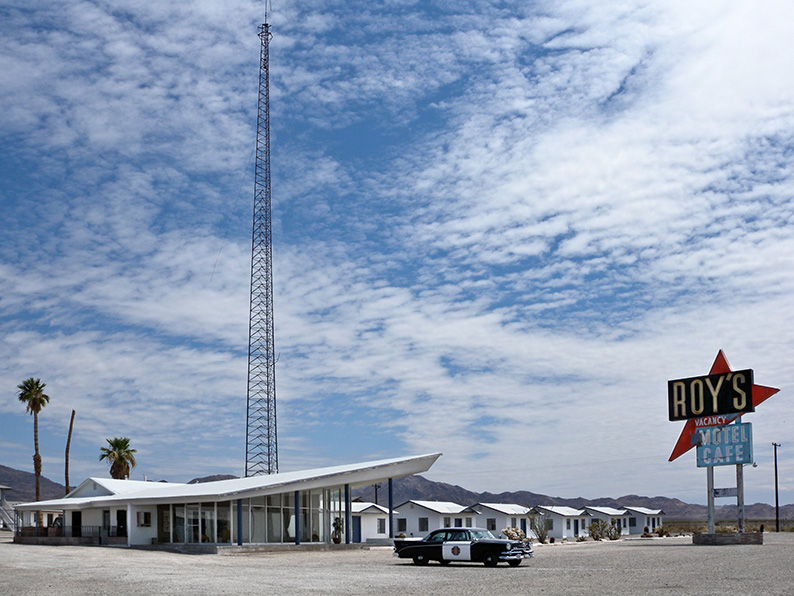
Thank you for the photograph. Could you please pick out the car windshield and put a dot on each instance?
(481, 534)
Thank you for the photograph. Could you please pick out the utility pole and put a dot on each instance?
(777, 502)
(261, 436)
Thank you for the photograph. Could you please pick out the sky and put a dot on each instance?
(499, 228)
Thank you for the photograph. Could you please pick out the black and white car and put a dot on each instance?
(462, 544)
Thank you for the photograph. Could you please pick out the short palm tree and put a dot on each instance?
(120, 456)
(31, 393)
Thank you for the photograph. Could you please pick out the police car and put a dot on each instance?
(462, 544)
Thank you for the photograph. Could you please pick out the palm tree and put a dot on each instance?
(31, 393)
(120, 456)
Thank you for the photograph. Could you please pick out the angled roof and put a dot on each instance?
(125, 491)
(506, 508)
(437, 506)
(644, 511)
(365, 507)
(560, 510)
(610, 511)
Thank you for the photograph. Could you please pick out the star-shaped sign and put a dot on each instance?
(687, 439)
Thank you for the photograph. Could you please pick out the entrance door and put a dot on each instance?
(77, 523)
(524, 526)
(121, 522)
(576, 527)
(356, 528)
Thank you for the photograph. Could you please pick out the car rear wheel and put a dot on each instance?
(420, 560)
(445, 561)
(490, 560)
(514, 562)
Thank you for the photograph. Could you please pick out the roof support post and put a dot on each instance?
(239, 522)
(348, 521)
(391, 508)
(297, 518)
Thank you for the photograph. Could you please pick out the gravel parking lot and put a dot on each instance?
(626, 567)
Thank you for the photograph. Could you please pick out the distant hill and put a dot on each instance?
(23, 486)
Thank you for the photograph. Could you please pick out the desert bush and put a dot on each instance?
(539, 527)
(598, 529)
(661, 531)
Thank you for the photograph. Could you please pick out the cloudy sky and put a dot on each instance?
(499, 228)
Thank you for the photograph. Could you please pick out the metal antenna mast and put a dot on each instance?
(260, 435)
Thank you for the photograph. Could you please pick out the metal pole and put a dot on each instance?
(777, 502)
(740, 495)
(710, 488)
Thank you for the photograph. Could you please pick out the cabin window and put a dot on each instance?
(144, 519)
(423, 524)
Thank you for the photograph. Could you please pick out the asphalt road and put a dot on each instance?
(626, 567)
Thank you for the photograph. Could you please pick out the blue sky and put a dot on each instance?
(499, 229)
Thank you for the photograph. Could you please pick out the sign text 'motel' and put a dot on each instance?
(709, 395)
(725, 445)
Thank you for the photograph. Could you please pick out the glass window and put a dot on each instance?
(179, 523)
(274, 524)
(381, 525)
(402, 524)
(163, 523)
(224, 522)
(468, 522)
(567, 524)
(458, 522)
(490, 524)
(447, 522)
(423, 524)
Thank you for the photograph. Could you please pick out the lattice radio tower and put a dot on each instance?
(261, 440)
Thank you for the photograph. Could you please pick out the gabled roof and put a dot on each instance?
(125, 491)
(644, 511)
(364, 507)
(437, 506)
(610, 511)
(506, 508)
(560, 510)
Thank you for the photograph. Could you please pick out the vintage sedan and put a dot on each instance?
(462, 544)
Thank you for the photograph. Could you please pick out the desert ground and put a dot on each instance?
(625, 567)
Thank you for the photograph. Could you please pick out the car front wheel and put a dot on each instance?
(514, 562)
(420, 560)
(490, 560)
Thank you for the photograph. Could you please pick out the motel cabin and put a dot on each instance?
(498, 516)
(642, 517)
(303, 507)
(562, 522)
(418, 518)
(370, 522)
(610, 515)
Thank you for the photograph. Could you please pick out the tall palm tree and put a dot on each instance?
(31, 393)
(120, 456)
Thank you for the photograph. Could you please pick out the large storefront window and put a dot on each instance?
(270, 519)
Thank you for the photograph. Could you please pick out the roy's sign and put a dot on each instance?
(710, 395)
(725, 445)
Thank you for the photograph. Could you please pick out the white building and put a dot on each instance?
(640, 517)
(498, 516)
(562, 522)
(417, 518)
(293, 507)
(612, 516)
(370, 522)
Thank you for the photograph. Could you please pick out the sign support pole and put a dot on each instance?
(710, 489)
(740, 495)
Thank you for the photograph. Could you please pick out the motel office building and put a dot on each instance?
(291, 508)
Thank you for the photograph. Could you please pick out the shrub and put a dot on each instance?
(661, 531)
(539, 527)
